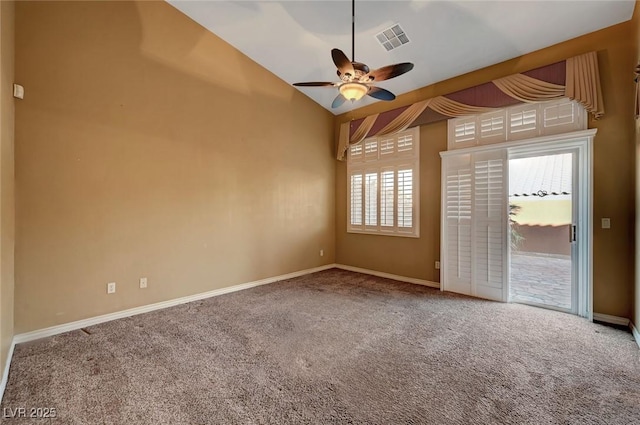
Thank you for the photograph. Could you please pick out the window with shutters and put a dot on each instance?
(383, 175)
(519, 122)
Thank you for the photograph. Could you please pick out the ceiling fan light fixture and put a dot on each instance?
(353, 91)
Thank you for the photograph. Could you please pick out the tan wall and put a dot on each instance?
(635, 317)
(7, 199)
(146, 146)
(613, 168)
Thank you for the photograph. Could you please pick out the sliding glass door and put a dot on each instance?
(542, 225)
(516, 220)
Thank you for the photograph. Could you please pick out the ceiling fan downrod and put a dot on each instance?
(353, 30)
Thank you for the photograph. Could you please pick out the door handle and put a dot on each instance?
(572, 233)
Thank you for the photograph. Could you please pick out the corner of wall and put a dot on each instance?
(7, 182)
(635, 332)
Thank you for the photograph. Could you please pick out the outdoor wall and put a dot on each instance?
(148, 147)
(613, 172)
(547, 240)
(7, 199)
(542, 225)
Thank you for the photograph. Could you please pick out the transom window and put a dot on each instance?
(383, 176)
(524, 121)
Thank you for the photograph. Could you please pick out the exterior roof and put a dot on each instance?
(540, 176)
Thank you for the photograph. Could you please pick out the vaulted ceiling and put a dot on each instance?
(293, 39)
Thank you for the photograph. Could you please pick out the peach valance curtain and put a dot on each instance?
(582, 83)
(527, 89)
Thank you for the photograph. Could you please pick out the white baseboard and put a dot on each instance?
(635, 332)
(7, 365)
(389, 276)
(79, 324)
(614, 320)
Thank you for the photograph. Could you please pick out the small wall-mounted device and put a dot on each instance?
(18, 91)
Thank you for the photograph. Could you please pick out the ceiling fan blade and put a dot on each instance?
(342, 62)
(390, 71)
(381, 94)
(338, 101)
(314, 84)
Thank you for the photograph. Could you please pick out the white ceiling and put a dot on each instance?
(293, 39)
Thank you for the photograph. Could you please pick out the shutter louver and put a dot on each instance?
(405, 198)
(492, 127)
(355, 153)
(465, 131)
(405, 144)
(371, 199)
(523, 121)
(356, 200)
(387, 186)
(387, 147)
(562, 114)
(371, 149)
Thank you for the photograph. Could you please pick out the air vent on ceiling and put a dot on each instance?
(392, 38)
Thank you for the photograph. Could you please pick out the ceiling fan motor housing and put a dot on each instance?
(360, 70)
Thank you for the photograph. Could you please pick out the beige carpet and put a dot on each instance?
(333, 348)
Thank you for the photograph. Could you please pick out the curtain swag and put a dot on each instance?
(582, 84)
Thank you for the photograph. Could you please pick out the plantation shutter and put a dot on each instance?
(371, 199)
(387, 189)
(489, 225)
(457, 223)
(383, 185)
(474, 224)
(405, 198)
(355, 200)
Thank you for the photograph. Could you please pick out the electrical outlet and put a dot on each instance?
(437, 265)
(322, 252)
(606, 223)
(111, 288)
(143, 282)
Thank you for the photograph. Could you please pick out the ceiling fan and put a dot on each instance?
(356, 79)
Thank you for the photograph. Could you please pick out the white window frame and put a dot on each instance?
(375, 156)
